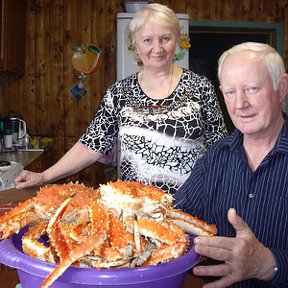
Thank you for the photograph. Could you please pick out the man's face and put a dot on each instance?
(253, 104)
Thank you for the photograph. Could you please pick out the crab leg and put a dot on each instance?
(137, 236)
(166, 253)
(32, 247)
(17, 218)
(172, 242)
(99, 225)
(140, 260)
(191, 224)
(117, 249)
(155, 230)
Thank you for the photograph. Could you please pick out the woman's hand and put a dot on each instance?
(244, 256)
(28, 179)
(69, 164)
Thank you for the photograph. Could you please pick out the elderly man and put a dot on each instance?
(241, 183)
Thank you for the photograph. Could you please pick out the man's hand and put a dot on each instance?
(244, 256)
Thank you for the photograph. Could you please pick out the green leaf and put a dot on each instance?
(180, 55)
(94, 49)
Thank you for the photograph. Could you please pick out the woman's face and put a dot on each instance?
(155, 45)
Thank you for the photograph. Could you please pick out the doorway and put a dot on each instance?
(209, 39)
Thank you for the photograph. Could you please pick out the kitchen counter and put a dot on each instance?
(24, 157)
(16, 195)
(8, 278)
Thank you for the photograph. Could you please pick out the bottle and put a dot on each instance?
(26, 141)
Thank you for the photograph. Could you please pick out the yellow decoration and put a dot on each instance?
(86, 58)
(184, 41)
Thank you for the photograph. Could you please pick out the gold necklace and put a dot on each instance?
(170, 82)
(171, 78)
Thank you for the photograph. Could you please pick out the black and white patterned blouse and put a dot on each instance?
(158, 141)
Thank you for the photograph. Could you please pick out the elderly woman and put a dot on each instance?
(162, 118)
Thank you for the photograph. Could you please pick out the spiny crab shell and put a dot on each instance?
(135, 198)
(121, 224)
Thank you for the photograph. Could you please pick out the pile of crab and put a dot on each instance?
(121, 224)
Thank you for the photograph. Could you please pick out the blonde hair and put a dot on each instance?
(267, 54)
(158, 13)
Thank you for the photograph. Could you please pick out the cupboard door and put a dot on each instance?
(13, 34)
(3, 35)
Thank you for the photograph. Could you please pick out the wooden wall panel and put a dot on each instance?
(29, 80)
(42, 61)
(56, 125)
(70, 75)
(42, 97)
(84, 36)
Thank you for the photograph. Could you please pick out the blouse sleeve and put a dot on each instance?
(215, 128)
(190, 196)
(101, 133)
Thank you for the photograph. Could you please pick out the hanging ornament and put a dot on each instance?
(184, 44)
(86, 59)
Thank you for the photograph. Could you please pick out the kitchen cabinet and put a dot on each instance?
(12, 36)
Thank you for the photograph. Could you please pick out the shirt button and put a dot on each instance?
(250, 195)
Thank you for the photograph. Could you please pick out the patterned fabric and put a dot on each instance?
(222, 179)
(159, 141)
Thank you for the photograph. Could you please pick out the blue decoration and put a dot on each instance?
(79, 91)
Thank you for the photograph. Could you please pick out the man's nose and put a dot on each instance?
(241, 99)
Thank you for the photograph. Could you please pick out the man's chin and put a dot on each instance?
(247, 127)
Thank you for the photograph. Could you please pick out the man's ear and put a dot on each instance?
(283, 86)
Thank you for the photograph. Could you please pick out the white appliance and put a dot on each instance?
(125, 61)
(9, 170)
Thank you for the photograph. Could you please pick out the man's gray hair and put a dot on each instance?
(270, 57)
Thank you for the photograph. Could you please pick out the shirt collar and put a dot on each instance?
(233, 141)
(282, 141)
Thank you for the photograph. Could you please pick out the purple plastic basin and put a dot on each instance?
(32, 272)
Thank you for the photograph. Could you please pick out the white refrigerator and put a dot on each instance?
(125, 61)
